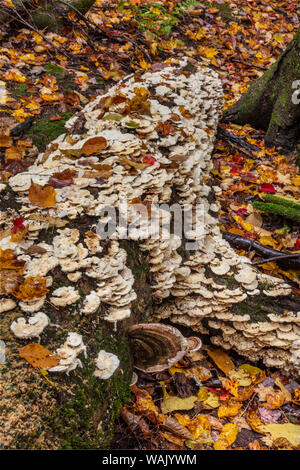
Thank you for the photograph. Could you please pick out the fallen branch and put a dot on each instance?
(237, 142)
(286, 260)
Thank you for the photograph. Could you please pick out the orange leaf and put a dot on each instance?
(8, 260)
(39, 356)
(42, 196)
(93, 145)
(221, 359)
(32, 287)
(5, 141)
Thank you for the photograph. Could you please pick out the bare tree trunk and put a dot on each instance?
(272, 102)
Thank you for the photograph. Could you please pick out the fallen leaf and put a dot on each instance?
(42, 196)
(93, 145)
(39, 356)
(221, 359)
(227, 436)
(286, 430)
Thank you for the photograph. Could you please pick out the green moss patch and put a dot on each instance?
(44, 131)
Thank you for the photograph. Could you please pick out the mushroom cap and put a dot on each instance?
(106, 364)
(156, 346)
(194, 343)
(134, 379)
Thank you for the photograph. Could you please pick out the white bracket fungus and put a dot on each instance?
(106, 364)
(34, 327)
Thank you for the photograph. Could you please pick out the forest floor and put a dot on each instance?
(45, 77)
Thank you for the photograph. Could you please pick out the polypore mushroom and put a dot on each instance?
(106, 364)
(91, 303)
(33, 328)
(156, 346)
(6, 305)
(194, 343)
(64, 296)
(68, 353)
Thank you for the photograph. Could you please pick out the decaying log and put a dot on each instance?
(147, 142)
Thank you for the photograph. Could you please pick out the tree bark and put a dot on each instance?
(272, 102)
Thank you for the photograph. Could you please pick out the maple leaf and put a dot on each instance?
(32, 287)
(18, 224)
(42, 196)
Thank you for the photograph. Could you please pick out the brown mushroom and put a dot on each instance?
(194, 343)
(156, 346)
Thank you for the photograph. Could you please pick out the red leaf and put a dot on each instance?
(267, 188)
(18, 224)
(149, 160)
(297, 245)
(242, 211)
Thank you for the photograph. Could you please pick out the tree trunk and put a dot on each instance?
(272, 103)
(157, 152)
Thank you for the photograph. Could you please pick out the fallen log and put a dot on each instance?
(84, 269)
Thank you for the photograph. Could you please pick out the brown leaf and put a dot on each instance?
(5, 141)
(9, 281)
(42, 196)
(171, 424)
(93, 145)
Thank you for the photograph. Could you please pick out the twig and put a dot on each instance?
(276, 258)
(18, 17)
(91, 23)
(259, 67)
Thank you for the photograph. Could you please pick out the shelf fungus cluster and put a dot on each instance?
(146, 144)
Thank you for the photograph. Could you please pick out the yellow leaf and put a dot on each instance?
(241, 376)
(287, 430)
(212, 400)
(227, 436)
(221, 359)
(268, 241)
(278, 38)
(172, 403)
(229, 410)
(257, 375)
(296, 181)
(202, 394)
